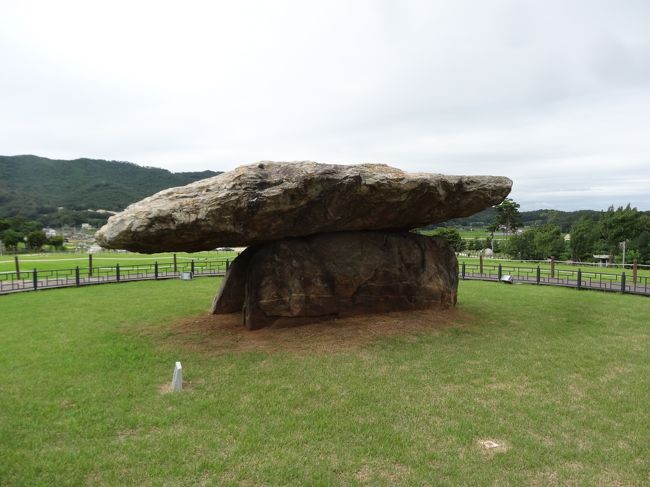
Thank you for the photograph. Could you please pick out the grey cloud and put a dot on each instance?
(554, 94)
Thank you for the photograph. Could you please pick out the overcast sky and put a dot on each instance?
(553, 94)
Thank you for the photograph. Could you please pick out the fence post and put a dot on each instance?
(480, 262)
(552, 266)
(17, 267)
(500, 271)
(175, 265)
(539, 275)
(192, 266)
(90, 265)
(463, 270)
(76, 276)
(579, 279)
(35, 279)
(623, 282)
(155, 270)
(227, 265)
(635, 266)
(117, 272)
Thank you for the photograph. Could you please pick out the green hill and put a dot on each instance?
(57, 192)
(565, 219)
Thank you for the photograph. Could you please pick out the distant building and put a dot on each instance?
(603, 260)
(49, 232)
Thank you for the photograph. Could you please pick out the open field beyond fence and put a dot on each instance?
(593, 278)
(54, 261)
(642, 270)
(165, 266)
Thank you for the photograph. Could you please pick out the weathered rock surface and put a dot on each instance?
(273, 200)
(337, 274)
(230, 298)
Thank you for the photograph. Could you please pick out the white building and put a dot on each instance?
(603, 260)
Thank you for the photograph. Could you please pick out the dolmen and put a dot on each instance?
(323, 240)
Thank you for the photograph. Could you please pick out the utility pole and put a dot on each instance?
(622, 245)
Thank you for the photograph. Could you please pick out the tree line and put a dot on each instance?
(14, 231)
(617, 231)
(59, 192)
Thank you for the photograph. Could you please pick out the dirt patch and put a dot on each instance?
(188, 385)
(216, 334)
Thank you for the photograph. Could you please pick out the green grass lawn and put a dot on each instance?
(559, 378)
(56, 261)
(479, 233)
(47, 262)
(509, 263)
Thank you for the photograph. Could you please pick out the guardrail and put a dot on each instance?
(577, 278)
(33, 280)
(72, 277)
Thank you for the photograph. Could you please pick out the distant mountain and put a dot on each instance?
(536, 217)
(564, 219)
(58, 192)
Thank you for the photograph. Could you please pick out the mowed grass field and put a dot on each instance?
(558, 378)
(478, 233)
(642, 271)
(58, 261)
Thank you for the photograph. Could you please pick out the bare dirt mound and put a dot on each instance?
(217, 334)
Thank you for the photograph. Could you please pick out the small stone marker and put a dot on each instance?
(489, 444)
(177, 379)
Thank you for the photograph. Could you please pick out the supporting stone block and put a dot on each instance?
(341, 273)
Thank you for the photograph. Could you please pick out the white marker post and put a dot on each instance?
(177, 379)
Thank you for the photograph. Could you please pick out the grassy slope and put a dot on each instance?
(81, 183)
(560, 377)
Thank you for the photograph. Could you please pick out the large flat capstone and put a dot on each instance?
(273, 200)
(334, 274)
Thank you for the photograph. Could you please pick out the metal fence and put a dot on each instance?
(77, 276)
(577, 278)
(55, 278)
